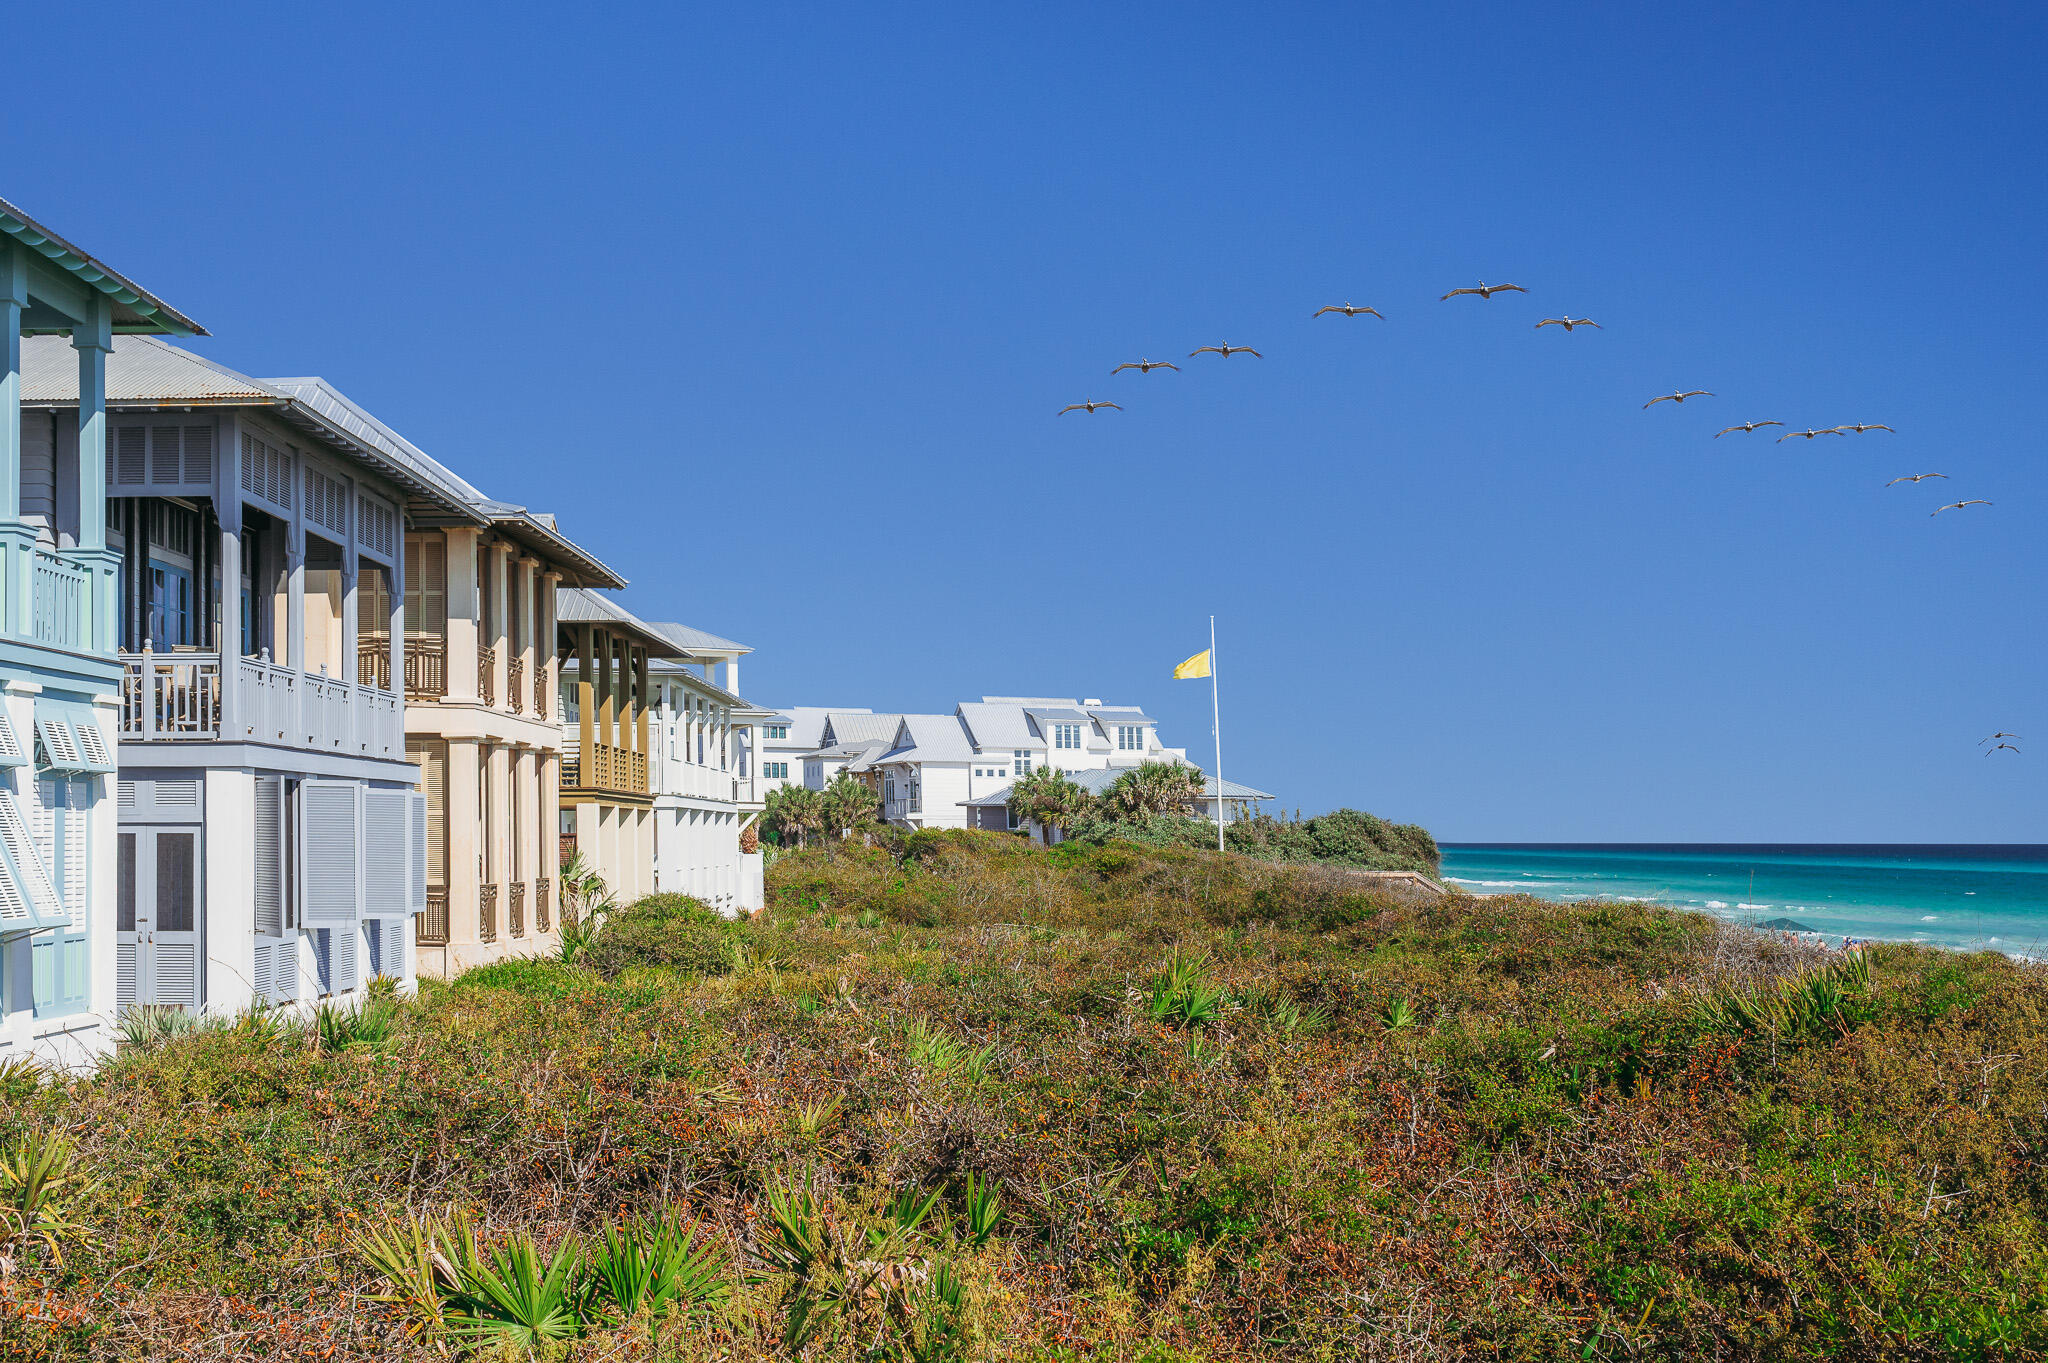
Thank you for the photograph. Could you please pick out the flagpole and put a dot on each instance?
(1216, 712)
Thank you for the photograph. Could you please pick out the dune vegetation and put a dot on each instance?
(964, 1097)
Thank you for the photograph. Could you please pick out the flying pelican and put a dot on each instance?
(1088, 407)
(1916, 477)
(2007, 746)
(1145, 366)
(1871, 426)
(1958, 506)
(1807, 434)
(1485, 290)
(1566, 322)
(1350, 311)
(1748, 426)
(2000, 734)
(1226, 350)
(1677, 397)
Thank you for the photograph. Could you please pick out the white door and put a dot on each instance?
(157, 932)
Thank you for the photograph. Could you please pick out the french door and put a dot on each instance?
(157, 929)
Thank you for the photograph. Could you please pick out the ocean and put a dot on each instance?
(1991, 897)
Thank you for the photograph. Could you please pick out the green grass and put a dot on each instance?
(972, 1099)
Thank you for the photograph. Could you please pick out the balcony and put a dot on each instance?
(426, 666)
(59, 592)
(605, 768)
(431, 927)
(188, 697)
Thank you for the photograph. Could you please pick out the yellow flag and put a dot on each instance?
(1197, 666)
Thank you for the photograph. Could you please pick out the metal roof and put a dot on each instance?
(580, 606)
(1120, 714)
(139, 369)
(862, 726)
(698, 640)
(135, 309)
(933, 738)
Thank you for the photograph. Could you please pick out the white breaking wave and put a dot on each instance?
(1930, 917)
(1716, 904)
(1752, 906)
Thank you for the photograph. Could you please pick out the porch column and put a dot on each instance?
(533, 656)
(549, 645)
(640, 702)
(397, 622)
(496, 635)
(295, 605)
(17, 542)
(463, 609)
(92, 339)
(607, 705)
(230, 624)
(351, 568)
(465, 870)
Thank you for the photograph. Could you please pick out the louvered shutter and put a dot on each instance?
(199, 454)
(416, 887)
(78, 803)
(284, 968)
(39, 906)
(436, 769)
(60, 749)
(92, 746)
(73, 970)
(426, 584)
(164, 442)
(387, 828)
(127, 463)
(268, 848)
(262, 975)
(330, 854)
(11, 754)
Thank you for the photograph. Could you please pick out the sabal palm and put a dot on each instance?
(1049, 799)
(1154, 788)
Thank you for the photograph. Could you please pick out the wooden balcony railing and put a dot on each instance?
(515, 910)
(373, 663)
(515, 683)
(487, 913)
(540, 690)
(614, 770)
(430, 929)
(487, 673)
(426, 666)
(543, 892)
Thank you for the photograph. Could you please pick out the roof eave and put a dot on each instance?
(152, 315)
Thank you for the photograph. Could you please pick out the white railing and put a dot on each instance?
(59, 591)
(172, 696)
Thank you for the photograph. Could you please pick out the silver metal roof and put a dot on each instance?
(1096, 780)
(580, 606)
(698, 640)
(135, 308)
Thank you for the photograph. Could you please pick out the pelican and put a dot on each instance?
(1807, 434)
(1485, 290)
(1226, 350)
(1748, 426)
(1958, 506)
(2000, 734)
(1088, 407)
(1145, 366)
(1915, 477)
(1350, 311)
(1677, 397)
(1870, 426)
(2007, 746)
(1566, 322)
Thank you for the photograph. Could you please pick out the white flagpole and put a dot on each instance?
(1216, 711)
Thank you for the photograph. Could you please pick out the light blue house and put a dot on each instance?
(60, 666)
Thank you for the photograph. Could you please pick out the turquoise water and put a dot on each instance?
(1973, 897)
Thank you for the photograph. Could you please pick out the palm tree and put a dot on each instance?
(794, 809)
(848, 803)
(585, 896)
(1154, 788)
(1049, 799)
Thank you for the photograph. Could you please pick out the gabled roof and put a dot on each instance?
(1096, 780)
(692, 640)
(1059, 716)
(997, 724)
(861, 726)
(929, 738)
(1120, 714)
(580, 606)
(807, 723)
(135, 309)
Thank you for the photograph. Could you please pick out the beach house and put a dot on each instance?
(991, 811)
(705, 775)
(61, 677)
(269, 829)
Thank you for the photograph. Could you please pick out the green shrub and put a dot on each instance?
(669, 930)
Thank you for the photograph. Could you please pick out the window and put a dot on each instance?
(1023, 761)
(778, 731)
(1066, 735)
(775, 771)
(1130, 737)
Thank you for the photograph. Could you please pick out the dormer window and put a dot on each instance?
(778, 731)
(1023, 760)
(1130, 737)
(1066, 736)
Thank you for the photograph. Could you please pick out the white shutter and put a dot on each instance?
(268, 846)
(79, 797)
(416, 880)
(177, 974)
(92, 745)
(387, 829)
(60, 749)
(330, 854)
(262, 976)
(284, 958)
(11, 754)
(124, 975)
(31, 877)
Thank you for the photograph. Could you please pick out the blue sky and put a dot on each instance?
(774, 307)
